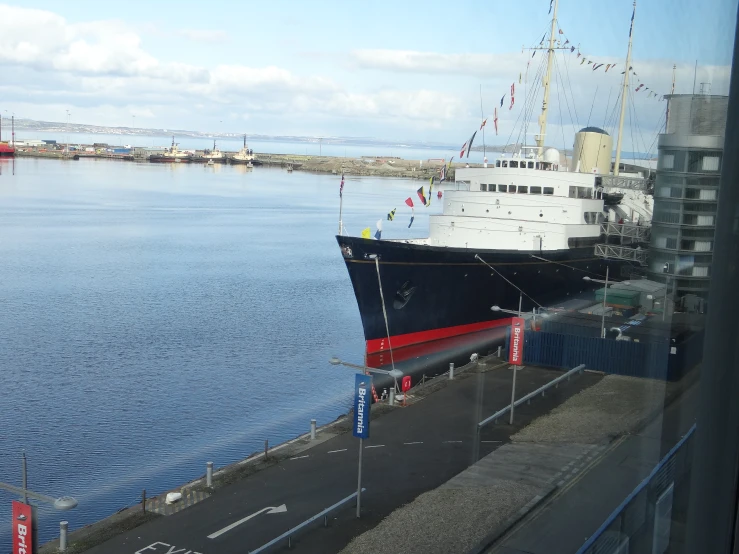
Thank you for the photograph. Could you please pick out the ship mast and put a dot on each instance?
(672, 91)
(547, 78)
(624, 95)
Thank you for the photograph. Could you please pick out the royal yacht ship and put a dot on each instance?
(520, 233)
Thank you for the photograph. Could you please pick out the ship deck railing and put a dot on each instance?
(616, 252)
(627, 232)
(623, 182)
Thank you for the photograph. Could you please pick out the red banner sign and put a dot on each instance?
(515, 349)
(22, 528)
(406, 385)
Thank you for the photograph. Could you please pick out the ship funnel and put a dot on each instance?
(592, 151)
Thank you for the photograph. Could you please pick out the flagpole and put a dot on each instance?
(482, 119)
(341, 205)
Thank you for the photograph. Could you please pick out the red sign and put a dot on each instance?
(406, 386)
(22, 528)
(515, 349)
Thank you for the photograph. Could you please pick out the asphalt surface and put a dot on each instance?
(411, 450)
(566, 520)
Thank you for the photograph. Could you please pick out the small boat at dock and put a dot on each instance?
(244, 156)
(173, 154)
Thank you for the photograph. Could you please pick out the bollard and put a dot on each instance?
(312, 429)
(499, 352)
(63, 527)
(392, 397)
(451, 371)
(209, 474)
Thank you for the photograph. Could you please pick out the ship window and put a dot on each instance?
(502, 188)
(523, 190)
(535, 190)
(548, 190)
(531, 165)
(483, 187)
(497, 163)
(505, 163)
(573, 192)
(514, 163)
(591, 217)
(511, 188)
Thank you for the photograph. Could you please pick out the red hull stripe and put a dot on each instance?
(399, 341)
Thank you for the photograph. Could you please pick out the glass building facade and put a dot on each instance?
(686, 193)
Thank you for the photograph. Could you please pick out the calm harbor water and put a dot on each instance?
(155, 317)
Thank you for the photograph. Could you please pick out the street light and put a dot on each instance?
(394, 373)
(605, 292)
(62, 503)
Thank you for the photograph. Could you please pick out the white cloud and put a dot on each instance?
(103, 63)
(204, 35)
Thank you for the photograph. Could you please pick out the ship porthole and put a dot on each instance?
(541, 215)
(509, 213)
(487, 211)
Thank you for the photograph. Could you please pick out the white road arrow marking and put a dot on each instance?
(269, 510)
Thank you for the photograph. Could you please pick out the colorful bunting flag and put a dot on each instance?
(513, 99)
(442, 173)
(341, 187)
(566, 42)
(409, 201)
(472, 139)
(378, 233)
(550, 5)
(496, 122)
(431, 185)
(413, 216)
(484, 121)
(461, 152)
(519, 78)
(438, 195)
(391, 214)
(572, 49)
(501, 104)
(561, 32)
(366, 233)
(421, 195)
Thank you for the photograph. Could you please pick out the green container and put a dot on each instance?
(619, 297)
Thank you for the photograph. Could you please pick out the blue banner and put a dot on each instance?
(362, 402)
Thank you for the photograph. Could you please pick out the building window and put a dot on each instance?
(668, 161)
(707, 194)
(502, 188)
(535, 190)
(699, 162)
(700, 272)
(548, 190)
(523, 190)
(705, 220)
(710, 163)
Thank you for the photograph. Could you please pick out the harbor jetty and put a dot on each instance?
(376, 166)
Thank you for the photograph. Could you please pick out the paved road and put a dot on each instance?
(411, 450)
(566, 521)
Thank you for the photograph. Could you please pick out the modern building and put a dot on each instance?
(686, 192)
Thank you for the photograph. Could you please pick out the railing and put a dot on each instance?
(290, 532)
(650, 500)
(541, 390)
(637, 233)
(619, 182)
(621, 253)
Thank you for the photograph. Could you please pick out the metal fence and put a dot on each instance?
(643, 521)
(634, 359)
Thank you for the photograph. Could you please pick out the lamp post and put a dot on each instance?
(394, 373)
(605, 293)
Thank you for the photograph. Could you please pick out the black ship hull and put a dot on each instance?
(437, 292)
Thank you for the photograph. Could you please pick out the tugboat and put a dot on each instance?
(172, 155)
(519, 234)
(214, 156)
(244, 156)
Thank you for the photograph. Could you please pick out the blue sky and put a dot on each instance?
(403, 70)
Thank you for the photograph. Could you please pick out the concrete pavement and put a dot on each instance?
(566, 520)
(411, 450)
